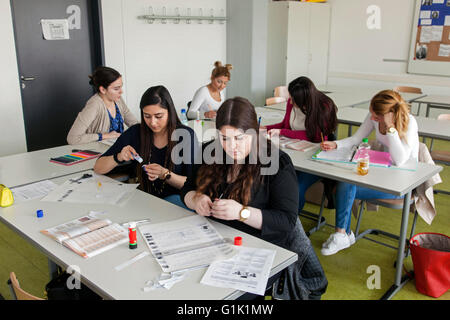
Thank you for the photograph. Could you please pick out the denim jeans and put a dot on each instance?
(175, 199)
(305, 180)
(346, 193)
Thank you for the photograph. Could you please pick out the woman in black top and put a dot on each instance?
(161, 173)
(247, 183)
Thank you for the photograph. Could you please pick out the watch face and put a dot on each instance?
(245, 213)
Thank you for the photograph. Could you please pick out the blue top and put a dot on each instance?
(117, 122)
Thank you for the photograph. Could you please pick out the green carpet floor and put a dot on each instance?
(347, 271)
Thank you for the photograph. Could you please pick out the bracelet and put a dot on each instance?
(100, 137)
(117, 159)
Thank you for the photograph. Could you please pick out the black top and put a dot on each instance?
(276, 197)
(132, 137)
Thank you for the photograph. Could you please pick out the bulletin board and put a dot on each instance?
(430, 41)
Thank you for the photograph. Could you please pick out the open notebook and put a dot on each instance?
(296, 144)
(377, 158)
(88, 236)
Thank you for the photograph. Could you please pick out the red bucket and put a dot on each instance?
(431, 258)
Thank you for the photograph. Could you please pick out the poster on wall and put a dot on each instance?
(430, 40)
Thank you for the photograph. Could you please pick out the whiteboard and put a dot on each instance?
(430, 38)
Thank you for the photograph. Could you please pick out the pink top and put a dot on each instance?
(286, 127)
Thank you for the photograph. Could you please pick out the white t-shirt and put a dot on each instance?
(400, 150)
(297, 119)
(202, 100)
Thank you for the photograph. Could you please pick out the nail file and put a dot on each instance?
(132, 260)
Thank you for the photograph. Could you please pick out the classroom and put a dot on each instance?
(119, 117)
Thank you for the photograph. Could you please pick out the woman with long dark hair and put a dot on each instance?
(105, 114)
(310, 115)
(247, 183)
(159, 174)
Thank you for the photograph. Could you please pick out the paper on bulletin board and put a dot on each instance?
(426, 14)
(444, 50)
(55, 29)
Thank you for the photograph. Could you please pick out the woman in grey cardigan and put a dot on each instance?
(105, 113)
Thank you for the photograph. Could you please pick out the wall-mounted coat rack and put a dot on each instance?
(177, 17)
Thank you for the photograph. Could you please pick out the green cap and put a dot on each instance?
(365, 140)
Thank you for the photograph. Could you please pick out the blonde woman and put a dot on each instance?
(209, 98)
(396, 129)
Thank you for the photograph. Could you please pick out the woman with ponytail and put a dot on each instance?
(208, 99)
(396, 129)
(162, 172)
(105, 113)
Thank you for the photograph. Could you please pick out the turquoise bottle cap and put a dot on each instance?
(39, 213)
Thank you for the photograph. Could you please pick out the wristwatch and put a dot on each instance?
(392, 130)
(244, 214)
(166, 175)
(117, 159)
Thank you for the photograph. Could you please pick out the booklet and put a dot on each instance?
(88, 236)
(296, 144)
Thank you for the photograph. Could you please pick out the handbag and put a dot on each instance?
(431, 259)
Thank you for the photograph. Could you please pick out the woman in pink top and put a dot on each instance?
(310, 115)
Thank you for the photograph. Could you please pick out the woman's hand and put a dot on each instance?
(328, 145)
(154, 171)
(388, 119)
(210, 114)
(127, 153)
(226, 209)
(110, 135)
(202, 205)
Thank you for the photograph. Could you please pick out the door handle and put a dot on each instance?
(27, 78)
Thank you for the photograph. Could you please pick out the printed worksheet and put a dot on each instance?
(185, 244)
(88, 188)
(248, 271)
(33, 190)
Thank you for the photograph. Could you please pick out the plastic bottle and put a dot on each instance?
(183, 117)
(362, 167)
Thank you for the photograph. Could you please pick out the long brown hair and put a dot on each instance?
(156, 95)
(319, 109)
(240, 114)
(390, 101)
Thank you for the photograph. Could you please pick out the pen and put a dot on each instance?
(259, 121)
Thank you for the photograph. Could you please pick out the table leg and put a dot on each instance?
(52, 269)
(399, 281)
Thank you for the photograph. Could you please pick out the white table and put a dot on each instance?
(98, 272)
(429, 128)
(25, 168)
(435, 101)
(401, 183)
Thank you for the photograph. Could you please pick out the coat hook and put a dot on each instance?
(212, 16)
(177, 13)
(188, 21)
(200, 15)
(150, 13)
(163, 21)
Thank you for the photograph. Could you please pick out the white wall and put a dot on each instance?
(12, 131)
(357, 53)
(180, 57)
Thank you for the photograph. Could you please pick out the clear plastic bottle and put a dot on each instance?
(362, 167)
(183, 117)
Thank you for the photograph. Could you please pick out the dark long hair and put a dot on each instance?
(320, 110)
(240, 114)
(156, 95)
(103, 77)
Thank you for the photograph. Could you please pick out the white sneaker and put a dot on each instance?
(351, 237)
(335, 243)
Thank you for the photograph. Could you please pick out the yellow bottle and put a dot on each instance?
(6, 196)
